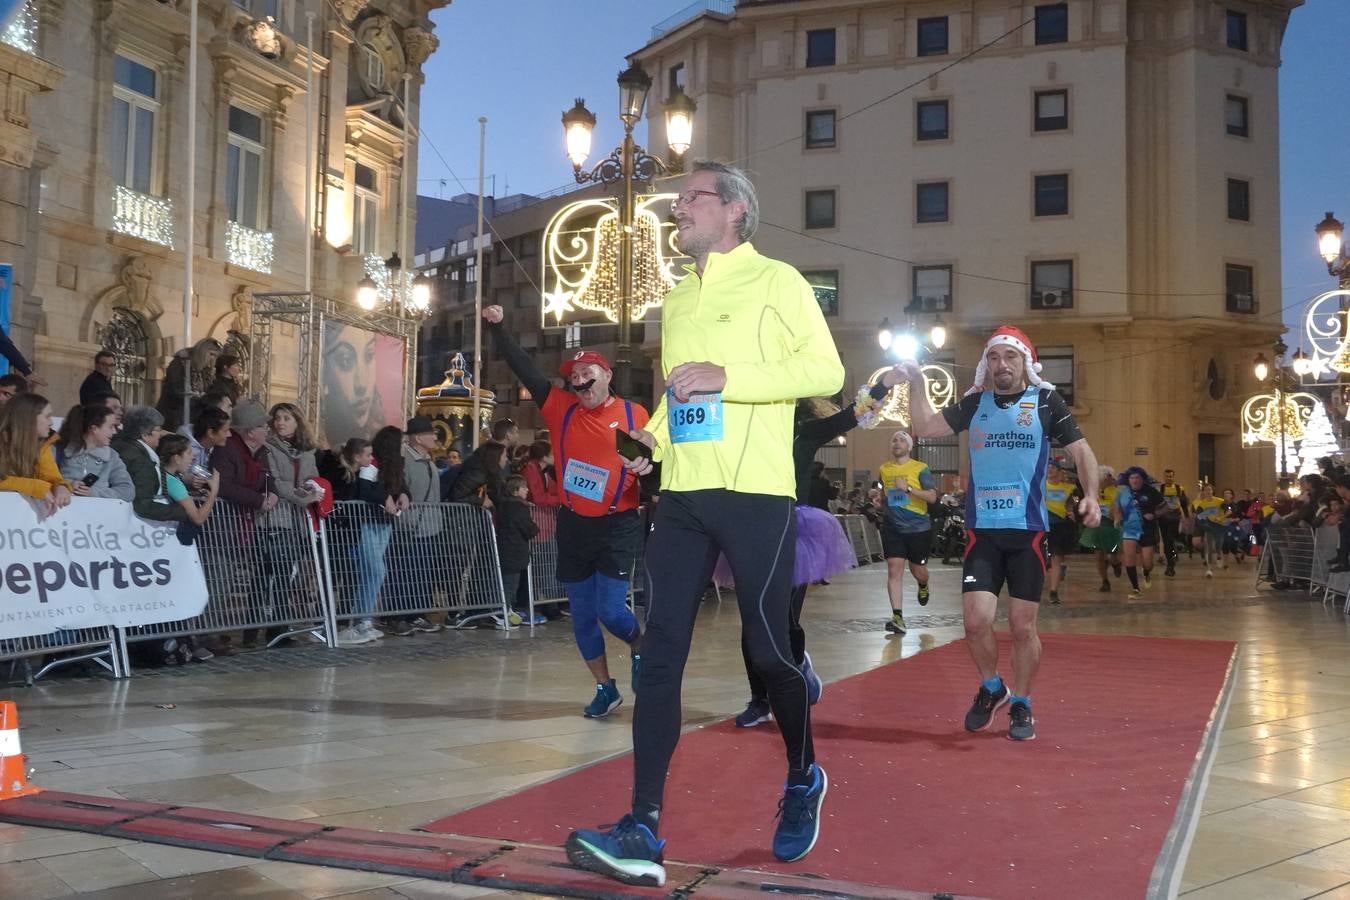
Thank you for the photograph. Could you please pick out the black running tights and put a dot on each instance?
(796, 637)
(758, 534)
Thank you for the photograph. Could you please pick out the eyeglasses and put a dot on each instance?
(690, 196)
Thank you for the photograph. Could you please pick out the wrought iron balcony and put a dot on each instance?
(143, 216)
(249, 248)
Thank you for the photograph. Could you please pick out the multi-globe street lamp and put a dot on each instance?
(632, 167)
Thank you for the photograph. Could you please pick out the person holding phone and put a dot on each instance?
(87, 459)
(599, 528)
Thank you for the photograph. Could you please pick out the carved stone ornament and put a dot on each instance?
(241, 301)
(135, 277)
(419, 44)
(350, 9)
(261, 35)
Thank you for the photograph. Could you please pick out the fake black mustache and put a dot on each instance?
(583, 386)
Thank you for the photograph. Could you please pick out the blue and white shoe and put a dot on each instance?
(628, 852)
(799, 817)
(814, 686)
(607, 699)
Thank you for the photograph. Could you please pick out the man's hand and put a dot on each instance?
(908, 370)
(642, 465)
(1089, 512)
(696, 378)
(492, 315)
(893, 376)
(269, 501)
(34, 381)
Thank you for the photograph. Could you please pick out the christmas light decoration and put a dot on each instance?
(1319, 441)
(143, 216)
(1261, 417)
(938, 384)
(22, 33)
(249, 248)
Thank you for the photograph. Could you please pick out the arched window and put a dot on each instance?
(125, 336)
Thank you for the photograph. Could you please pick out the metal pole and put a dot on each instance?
(309, 153)
(1284, 462)
(401, 295)
(478, 287)
(624, 360)
(190, 213)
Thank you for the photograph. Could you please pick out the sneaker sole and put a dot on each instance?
(1031, 737)
(985, 727)
(820, 801)
(895, 629)
(640, 873)
(923, 601)
(760, 721)
(618, 701)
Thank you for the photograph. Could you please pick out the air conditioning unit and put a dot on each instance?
(1050, 300)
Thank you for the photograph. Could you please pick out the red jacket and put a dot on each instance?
(543, 487)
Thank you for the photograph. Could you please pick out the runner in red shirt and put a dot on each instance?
(599, 529)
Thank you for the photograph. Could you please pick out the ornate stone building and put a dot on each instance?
(1104, 173)
(94, 163)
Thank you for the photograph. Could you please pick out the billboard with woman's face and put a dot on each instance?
(361, 382)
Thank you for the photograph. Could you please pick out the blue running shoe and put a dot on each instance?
(637, 671)
(628, 852)
(814, 686)
(799, 817)
(606, 700)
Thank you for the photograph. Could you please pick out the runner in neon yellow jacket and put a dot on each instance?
(759, 320)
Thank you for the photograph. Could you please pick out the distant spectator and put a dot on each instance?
(87, 459)
(242, 461)
(138, 445)
(821, 491)
(419, 526)
(290, 459)
(480, 481)
(229, 378)
(540, 476)
(212, 399)
(367, 529)
(185, 378)
(175, 457)
(27, 463)
(453, 457)
(113, 401)
(10, 385)
(99, 380)
(211, 429)
(515, 530)
(520, 456)
(505, 431)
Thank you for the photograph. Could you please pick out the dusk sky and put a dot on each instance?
(522, 62)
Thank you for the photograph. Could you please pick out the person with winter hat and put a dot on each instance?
(1012, 415)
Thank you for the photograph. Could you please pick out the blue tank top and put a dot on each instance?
(1131, 519)
(1008, 455)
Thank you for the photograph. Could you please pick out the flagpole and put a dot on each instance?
(478, 288)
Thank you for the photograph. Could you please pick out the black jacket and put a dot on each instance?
(94, 383)
(515, 530)
(474, 476)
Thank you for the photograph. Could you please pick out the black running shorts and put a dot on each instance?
(911, 545)
(1063, 537)
(590, 544)
(1148, 537)
(998, 556)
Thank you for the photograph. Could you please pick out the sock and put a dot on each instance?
(802, 777)
(648, 815)
(1134, 576)
(1013, 698)
(993, 685)
(924, 586)
(896, 612)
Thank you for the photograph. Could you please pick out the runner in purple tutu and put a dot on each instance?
(822, 548)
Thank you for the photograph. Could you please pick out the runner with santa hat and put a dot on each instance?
(1012, 416)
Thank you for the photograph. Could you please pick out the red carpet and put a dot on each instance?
(918, 804)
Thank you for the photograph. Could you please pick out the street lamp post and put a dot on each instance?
(905, 342)
(1331, 244)
(1263, 370)
(630, 166)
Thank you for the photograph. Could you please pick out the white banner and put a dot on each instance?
(91, 564)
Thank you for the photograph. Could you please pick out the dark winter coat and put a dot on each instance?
(515, 530)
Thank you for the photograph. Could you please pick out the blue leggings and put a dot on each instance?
(600, 599)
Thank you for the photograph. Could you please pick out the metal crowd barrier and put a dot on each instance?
(872, 538)
(262, 573)
(544, 585)
(1288, 554)
(857, 536)
(62, 647)
(431, 558)
(1326, 541)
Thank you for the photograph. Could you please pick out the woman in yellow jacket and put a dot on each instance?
(27, 462)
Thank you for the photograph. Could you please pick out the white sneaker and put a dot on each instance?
(370, 631)
(1209, 573)
(348, 637)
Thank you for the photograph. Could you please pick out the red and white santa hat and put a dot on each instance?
(1009, 336)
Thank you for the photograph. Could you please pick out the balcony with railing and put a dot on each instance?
(22, 33)
(143, 216)
(249, 248)
(691, 12)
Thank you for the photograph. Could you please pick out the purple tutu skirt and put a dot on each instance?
(822, 550)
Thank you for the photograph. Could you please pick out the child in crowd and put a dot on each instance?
(515, 530)
(366, 528)
(175, 458)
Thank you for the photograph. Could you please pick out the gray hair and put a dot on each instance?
(139, 421)
(733, 185)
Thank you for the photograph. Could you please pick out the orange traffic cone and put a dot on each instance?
(13, 778)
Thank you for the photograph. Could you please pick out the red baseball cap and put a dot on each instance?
(584, 358)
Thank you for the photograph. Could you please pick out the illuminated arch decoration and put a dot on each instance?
(1261, 417)
(938, 384)
(1324, 326)
(581, 261)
